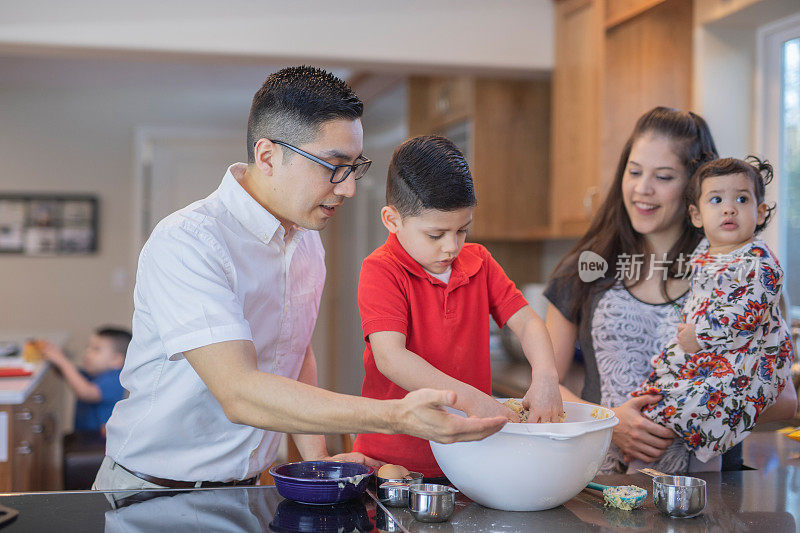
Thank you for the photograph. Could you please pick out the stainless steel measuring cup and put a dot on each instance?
(428, 502)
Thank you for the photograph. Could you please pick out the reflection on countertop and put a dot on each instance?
(767, 499)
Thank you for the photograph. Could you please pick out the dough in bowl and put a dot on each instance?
(516, 406)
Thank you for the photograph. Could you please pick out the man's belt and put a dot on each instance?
(173, 484)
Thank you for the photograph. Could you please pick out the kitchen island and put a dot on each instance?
(766, 500)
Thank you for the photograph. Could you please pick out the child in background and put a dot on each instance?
(424, 297)
(731, 357)
(96, 384)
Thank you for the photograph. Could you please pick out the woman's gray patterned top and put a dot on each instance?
(627, 333)
(619, 340)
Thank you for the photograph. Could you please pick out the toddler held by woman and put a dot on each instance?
(731, 356)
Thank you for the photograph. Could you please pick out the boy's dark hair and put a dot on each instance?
(758, 171)
(428, 172)
(120, 337)
(294, 102)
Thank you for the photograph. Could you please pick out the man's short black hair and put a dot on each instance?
(121, 338)
(294, 102)
(428, 172)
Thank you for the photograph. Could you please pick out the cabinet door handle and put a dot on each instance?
(38, 398)
(48, 427)
(24, 448)
(588, 200)
(25, 414)
(37, 428)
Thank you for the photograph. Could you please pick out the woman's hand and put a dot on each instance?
(687, 338)
(637, 436)
(543, 399)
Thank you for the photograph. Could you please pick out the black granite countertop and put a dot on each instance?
(765, 500)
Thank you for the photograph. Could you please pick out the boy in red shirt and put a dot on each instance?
(424, 297)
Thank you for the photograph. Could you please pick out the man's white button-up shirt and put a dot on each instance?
(218, 270)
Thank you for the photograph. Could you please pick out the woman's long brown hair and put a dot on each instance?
(611, 232)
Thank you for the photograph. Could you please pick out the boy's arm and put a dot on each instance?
(411, 372)
(313, 447)
(84, 390)
(543, 397)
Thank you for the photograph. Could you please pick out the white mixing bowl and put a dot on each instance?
(531, 467)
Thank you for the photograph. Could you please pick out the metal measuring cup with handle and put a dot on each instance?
(428, 502)
(677, 496)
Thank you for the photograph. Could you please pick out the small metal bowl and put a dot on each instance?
(432, 503)
(395, 496)
(679, 496)
(428, 502)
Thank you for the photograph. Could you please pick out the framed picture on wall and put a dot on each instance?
(48, 224)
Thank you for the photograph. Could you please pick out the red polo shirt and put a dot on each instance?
(447, 325)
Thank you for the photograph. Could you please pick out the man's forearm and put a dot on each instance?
(248, 396)
(311, 447)
(260, 399)
(282, 404)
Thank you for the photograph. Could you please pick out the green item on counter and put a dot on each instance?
(625, 497)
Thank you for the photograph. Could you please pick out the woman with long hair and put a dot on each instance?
(624, 318)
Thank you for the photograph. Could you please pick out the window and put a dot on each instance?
(779, 140)
(790, 169)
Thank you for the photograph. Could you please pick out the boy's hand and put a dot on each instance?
(687, 338)
(484, 406)
(543, 399)
(51, 352)
(355, 457)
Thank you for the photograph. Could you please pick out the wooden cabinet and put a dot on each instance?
(577, 84)
(615, 59)
(34, 445)
(502, 125)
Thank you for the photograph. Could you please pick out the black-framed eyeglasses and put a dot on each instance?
(339, 173)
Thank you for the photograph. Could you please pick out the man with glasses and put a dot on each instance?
(227, 294)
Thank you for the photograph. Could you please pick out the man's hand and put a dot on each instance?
(637, 436)
(355, 457)
(543, 399)
(421, 414)
(687, 338)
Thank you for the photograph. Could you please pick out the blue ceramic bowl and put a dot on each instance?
(321, 482)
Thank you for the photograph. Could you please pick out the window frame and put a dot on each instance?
(769, 127)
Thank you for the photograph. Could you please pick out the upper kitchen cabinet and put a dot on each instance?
(503, 127)
(577, 83)
(615, 59)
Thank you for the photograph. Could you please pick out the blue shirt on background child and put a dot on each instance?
(92, 416)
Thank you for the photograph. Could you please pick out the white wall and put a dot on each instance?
(511, 35)
(727, 89)
(77, 78)
(78, 138)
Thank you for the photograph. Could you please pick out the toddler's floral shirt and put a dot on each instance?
(712, 398)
